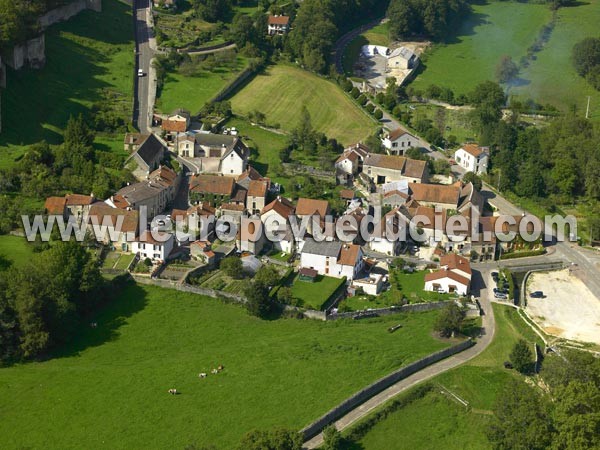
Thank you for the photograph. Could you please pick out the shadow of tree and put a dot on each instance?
(130, 300)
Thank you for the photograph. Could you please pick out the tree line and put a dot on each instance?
(586, 60)
(318, 24)
(43, 304)
(431, 18)
(73, 166)
(563, 415)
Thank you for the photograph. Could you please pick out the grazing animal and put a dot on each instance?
(93, 325)
(214, 371)
(202, 375)
(220, 367)
(173, 391)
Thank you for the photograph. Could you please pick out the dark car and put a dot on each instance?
(537, 294)
(495, 276)
(500, 291)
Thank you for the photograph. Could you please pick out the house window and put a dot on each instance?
(394, 144)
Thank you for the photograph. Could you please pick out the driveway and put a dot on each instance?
(480, 289)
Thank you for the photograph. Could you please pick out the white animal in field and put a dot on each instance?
(202, 375)
(173, 391)
(214, 371)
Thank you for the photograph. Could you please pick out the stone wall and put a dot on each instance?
(30, 53)
(67, 11)
(415, 307)
(373, 389)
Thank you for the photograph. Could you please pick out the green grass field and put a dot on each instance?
(87, 58)
(315, 295)
(478, 382)
(551, 78)
(108, 389)
(15, 249)
(192, 93)
(494, 29)
(281, 92)
(406, 428)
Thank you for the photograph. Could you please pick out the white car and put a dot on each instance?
(140, 73)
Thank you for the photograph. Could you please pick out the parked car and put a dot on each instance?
(495, 276)
(140, 73)
(500, 296)
(537, 294)
(500, 291)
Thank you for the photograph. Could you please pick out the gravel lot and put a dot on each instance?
(569, 310)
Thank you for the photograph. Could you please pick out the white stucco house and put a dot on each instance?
(370, 285)
(334, 259)
(157, 249)
(444, 281)
(473, 158)
(399, 140)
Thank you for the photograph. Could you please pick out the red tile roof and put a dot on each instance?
(473, 149)
(80, 200)
(279, 20)
(258, 188)
(348, 254)
(398, 132)
(446, 274)
(212, 184)
(455, 262)
(435, 193)
(281, 206)
(55, 205)
(311, 207)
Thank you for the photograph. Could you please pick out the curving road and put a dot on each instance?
(487, 335)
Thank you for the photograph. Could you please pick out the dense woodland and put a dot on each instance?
(18, 18)
(318, 24)
(43, 304)
(429, 18)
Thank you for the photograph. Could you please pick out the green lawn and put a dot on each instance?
(192, 93)
(406, 428)
(551, 77)
(109, 388)
(456, 122)
(88, 58)
(316, 294)
(16, 249)
(493, 29)
(478, 382)
(281, 92)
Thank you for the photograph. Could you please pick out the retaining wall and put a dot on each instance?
(415, 307)
(67, 11)
(365, 394)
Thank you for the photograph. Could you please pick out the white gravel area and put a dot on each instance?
(569, 309)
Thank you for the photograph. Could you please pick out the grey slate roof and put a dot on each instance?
(149, 150)
(324, 248)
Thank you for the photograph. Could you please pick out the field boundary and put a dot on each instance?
(378, 386)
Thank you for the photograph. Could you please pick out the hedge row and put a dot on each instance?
(360, 430)
(514, 255)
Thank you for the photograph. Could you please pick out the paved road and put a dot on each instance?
(569, 251)
(488, 324)
(144, 54)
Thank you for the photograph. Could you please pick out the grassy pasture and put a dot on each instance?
(281, 91)
(551, 78)
(88, 59)
(15, 249)
(192, 92)
(378, 35)
(108, 389)
(492, 30)
(478, 382)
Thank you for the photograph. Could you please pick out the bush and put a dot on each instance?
(370, 107)
(521, 357)
(378, 114)
(355, 92)
(362, 99)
